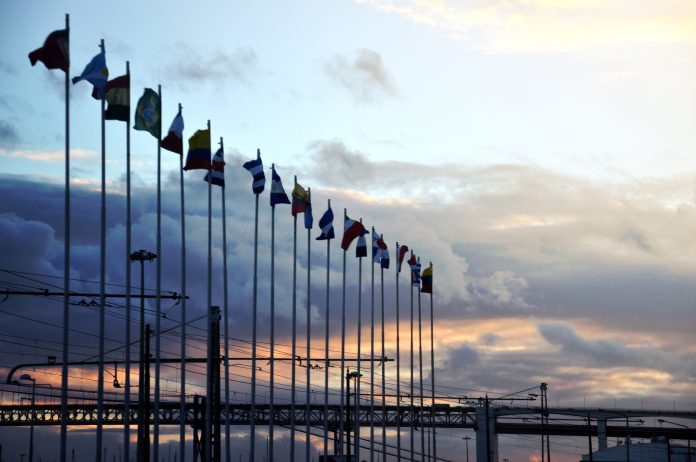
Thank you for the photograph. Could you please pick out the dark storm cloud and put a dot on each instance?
(364, 76)
(189, 66)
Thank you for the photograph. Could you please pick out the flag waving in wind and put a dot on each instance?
(427, 278)
(351, 230)
(117, 98)
(217, 171)
(361, 246)
(380, 253)
(326, 225)
(174, 141)
(300, 199)
(400, 254)
(255, 167)
(415, 270)
(198, 157)
(55, 52)
(278, 195)
(95, 73)
(148, 113)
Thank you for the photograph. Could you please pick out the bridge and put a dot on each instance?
(488, 422)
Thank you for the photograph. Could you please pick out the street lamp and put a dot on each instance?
(466, 442)
(33, 413)
(688, 438)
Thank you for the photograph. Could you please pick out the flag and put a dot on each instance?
(361, 247)
(117, 98)
(198, 156)
(351, 230)
(148, 114)
(308, 217)
(174, 141)
(379, 248)
(300, 199)
(95, 73)
(217, 170)
(415, 270)
(400, 254)
(278, 195)
(255, 167)
(55, 52)
(385, 255)
(326, 225)
(427, 278)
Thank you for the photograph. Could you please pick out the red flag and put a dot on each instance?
(55, 52)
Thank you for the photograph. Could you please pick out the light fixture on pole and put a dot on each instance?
(688, 439)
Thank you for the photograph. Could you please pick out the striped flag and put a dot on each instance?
(400, 254)
(326, 225)
(117, 98)
(300, 199)
(361, 247)
(95, 73)
(255, 167)
(415, 270)
(379, 249)
(198, 157)
(351, 230)
(174, 141)
(427, 278)
(278, 195)
(217, 170)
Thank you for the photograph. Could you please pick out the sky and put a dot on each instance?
(541, 154)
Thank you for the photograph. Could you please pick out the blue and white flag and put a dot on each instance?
(217, 171)
(326, 225)
(278, 195)
(95, 73)
(255, 167)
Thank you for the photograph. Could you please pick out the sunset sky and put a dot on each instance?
(542, 154)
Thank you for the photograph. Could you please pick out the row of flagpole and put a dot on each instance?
(55, 55)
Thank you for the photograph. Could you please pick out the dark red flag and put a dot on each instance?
(55, 51)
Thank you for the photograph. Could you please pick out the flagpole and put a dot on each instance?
(182, 365)
(294, 334)
(158, 288)
(398, 359)
(208, 402)
(102, 278)
(384, 409)
(252, 430)
(412, 389)
(126, 406)
(271, 416)
(66, 268)
(226, 313)
(432, 368)
(420, 367)
(343, 346)
(309, 330)
(356, 434)
(326, 350)
(372, 352)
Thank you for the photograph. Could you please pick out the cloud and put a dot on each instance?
(548, 26)
(365, 76)
(8, 135)
(49, 156)
(189, 65)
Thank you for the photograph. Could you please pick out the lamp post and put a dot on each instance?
(466, 442)
(688, 439)
(628, 434)
(143, 449)
(33, 413)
